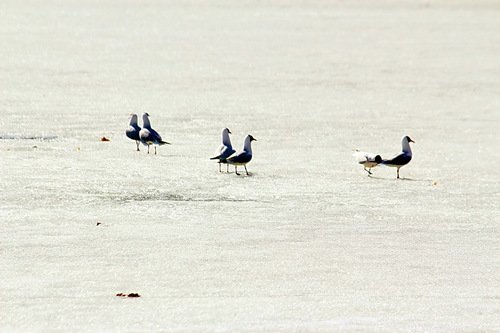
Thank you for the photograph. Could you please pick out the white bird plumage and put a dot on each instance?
(243, 157)
(132, 132)
(225, 150)
(148, 135)
(402, 158)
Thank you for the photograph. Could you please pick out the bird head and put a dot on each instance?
(407, 138)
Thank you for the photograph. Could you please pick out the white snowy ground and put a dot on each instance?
(308, 242)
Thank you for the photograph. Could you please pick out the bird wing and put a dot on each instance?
(218, 152)
(155, 136)
(223, 152)
(226, 152)
(145, 135)
(398, 159)
(132, 133)
(242, 157)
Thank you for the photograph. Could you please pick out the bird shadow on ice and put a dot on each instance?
(242, 175)
(401, 179)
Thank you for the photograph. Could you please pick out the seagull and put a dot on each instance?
(133, 129)
(148, 135)
(243, 157)
(403, 158)
(225, 150)
(367, 160)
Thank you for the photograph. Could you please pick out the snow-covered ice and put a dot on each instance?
(307, 242)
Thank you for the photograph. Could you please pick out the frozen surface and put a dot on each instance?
(308, 243)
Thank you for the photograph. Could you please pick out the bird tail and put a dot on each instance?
(223, 160)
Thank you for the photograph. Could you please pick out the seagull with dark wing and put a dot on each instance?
(225, 150)
(243, 157)
(149, 136)
(403, 158)
(133, 130)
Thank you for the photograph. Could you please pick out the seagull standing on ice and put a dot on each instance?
(403, 158)
(148, 135)
(367, 160)
(225, 150)
(243, 157)
(133, 130)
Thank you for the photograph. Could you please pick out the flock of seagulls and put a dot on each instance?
(369, 160)
(226, 154)
(145, 135)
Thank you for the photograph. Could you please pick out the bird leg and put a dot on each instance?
(398, 173)
(155, 150)
(220, 168)
(227, 168)
(148, 149)
(245, 168)
(367, 170)
(137, 143)
(236, 170)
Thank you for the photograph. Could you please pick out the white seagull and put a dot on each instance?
(367, 160)
(133, 129)
(225, 150)
(148, 135)
(243, 157)
(403, 158)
